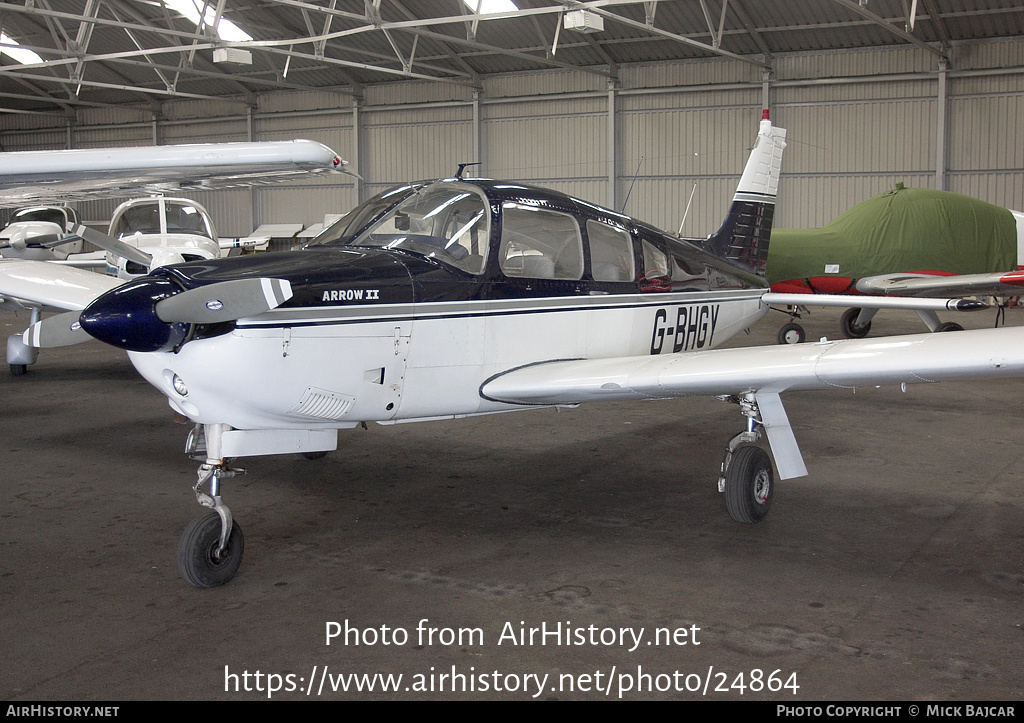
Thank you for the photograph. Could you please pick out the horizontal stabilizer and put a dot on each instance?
(225, 301)
(874, 302)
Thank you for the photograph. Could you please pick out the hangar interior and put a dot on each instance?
(907, 585)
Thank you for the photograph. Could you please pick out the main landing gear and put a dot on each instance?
(210, 549)
(747, 479)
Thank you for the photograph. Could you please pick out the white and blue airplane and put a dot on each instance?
(467, 296)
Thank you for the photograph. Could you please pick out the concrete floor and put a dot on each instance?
(893, 572)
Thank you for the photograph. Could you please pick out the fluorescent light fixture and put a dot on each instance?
(490, 7)
(226, 30)
(22, 55)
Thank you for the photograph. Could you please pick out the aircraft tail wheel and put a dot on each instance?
(792, 333)
(198, 559)
(18, 369)
(852, 330)
(949, 326)
(749, 484)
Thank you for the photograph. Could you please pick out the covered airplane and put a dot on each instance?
(904, 242)
(457, 297)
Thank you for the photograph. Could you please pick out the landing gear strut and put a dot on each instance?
(747, 479)
(210, 549)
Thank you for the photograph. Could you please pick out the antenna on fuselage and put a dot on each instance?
(635, 174)
(694, 190)
(462, 167)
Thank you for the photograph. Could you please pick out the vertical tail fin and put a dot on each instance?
(744, 235)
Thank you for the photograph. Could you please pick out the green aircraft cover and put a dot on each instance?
(902, 230)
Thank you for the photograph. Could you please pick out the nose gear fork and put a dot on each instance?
(214, 473)
(210, 550)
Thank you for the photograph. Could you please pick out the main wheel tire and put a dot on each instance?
(848, 323)
(792, 333)
(18, 369)
(949, 326)
(197, 552)
(749, 484)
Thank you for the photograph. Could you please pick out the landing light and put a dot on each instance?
(179, 385)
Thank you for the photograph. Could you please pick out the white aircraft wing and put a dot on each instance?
(1008, 283)
(71, 175)
(27, 284)
(765, 372)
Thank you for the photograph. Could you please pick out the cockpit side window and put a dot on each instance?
(538, 243)
(611, 252)
(448, 223)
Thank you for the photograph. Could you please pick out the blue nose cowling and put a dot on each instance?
(126, 317)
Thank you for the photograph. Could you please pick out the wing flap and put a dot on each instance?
(849, 363)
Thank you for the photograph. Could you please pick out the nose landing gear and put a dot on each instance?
(211, 547)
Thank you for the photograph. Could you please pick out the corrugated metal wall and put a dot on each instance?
(858, 122)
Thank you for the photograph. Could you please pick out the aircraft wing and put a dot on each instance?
(764, 372)
(28, 177)
(27, 284)
(1008, 283)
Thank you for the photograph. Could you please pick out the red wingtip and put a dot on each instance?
(764, 114)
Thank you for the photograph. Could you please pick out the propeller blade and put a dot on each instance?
(60, 330)
(108, 243)
(224, 301)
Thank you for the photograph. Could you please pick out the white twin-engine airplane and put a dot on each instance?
(144, 233)
(458, 297)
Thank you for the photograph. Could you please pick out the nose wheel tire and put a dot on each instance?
(792, 333)
(198, 558)
(749, 484)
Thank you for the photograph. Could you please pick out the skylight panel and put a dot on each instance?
(490, 7)
(226, 30)
(21, 55)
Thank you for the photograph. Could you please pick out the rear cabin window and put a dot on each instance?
(656, 264)
(538, 243)
(611, 252)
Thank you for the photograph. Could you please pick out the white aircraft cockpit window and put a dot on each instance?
(144, 219)
(186, 218)
(538, 243)
(611, 252)
(46, 214)
(447, 222)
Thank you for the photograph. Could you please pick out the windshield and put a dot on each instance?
(49, 215)
(448, 222)
(341, 231)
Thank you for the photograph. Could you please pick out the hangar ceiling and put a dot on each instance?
(114, 52)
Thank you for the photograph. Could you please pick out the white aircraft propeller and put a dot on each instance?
(225, 301)
(53, 331)
(211, 304)
(111, 244)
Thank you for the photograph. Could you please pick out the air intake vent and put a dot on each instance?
(322, 404)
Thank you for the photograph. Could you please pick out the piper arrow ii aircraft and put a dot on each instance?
(144, 233)
(459, 297)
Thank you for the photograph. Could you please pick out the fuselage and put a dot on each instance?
(413, 300)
